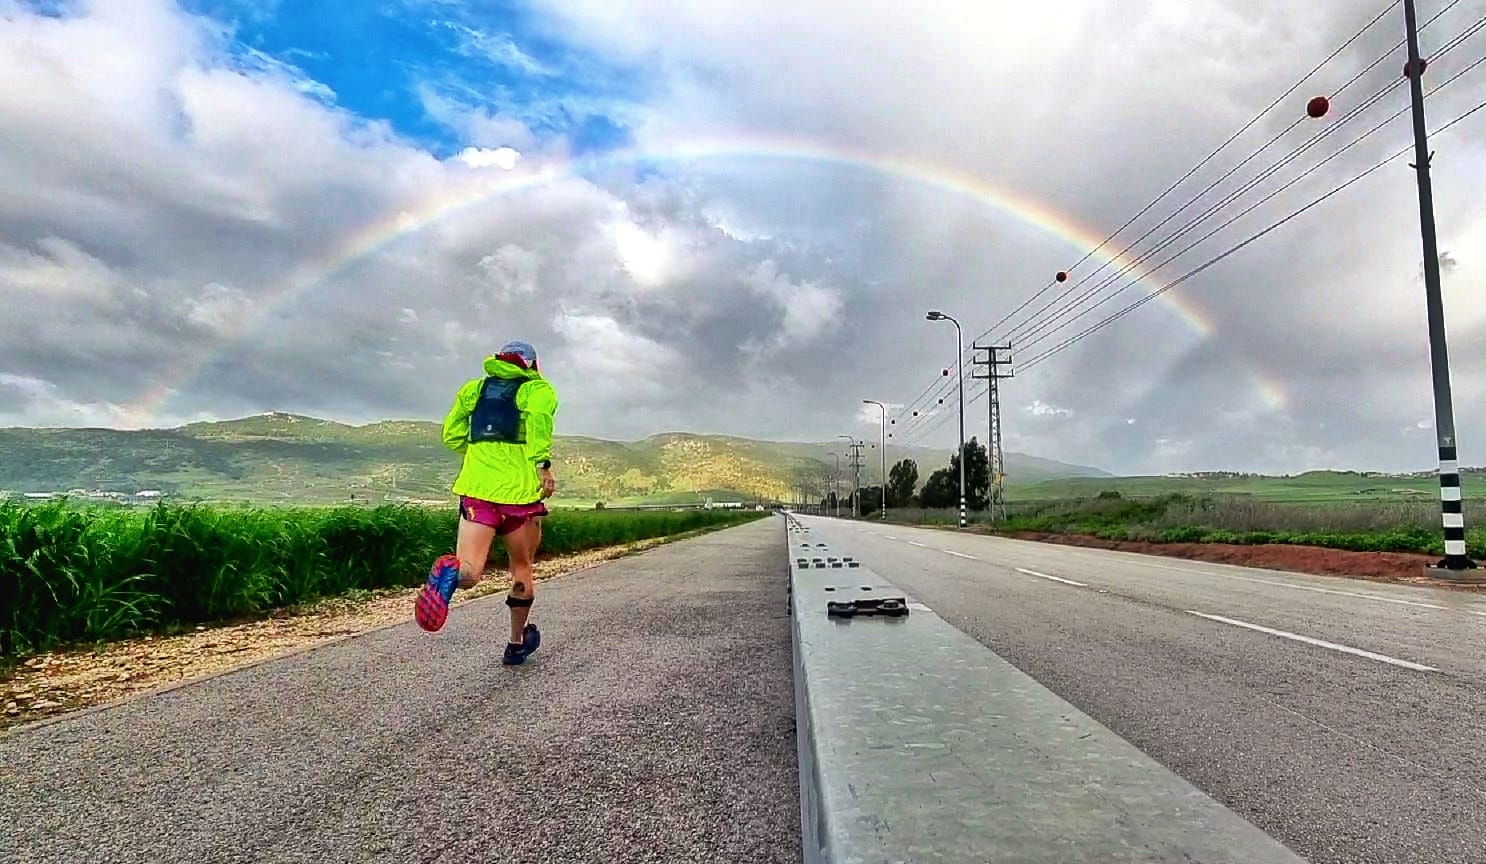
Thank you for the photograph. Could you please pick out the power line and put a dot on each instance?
(1033, 328)
(918, 421)
(1211, 262)
(1255, 119)
(1028, 329)
(1046, 333)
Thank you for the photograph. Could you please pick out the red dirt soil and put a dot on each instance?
(1396, 567)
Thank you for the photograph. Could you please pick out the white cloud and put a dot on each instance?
(651, 259)
(41, 403)
(809, 309)
(479, 157)
(1039, 408)
(513, 270)
(217, 307)
(498, 48)
(607, 362)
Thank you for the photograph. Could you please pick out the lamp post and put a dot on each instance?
(883, 408)
(936, 315)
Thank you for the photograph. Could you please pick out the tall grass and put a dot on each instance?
(1404, 526)
(73, 574)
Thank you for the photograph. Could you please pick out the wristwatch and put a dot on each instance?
(545, 464)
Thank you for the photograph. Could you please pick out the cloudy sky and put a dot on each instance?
(732, 216)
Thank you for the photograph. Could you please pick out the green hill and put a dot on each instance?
(286, 457)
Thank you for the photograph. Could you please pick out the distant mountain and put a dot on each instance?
(288, 457)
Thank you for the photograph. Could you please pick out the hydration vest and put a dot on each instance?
(496, 417)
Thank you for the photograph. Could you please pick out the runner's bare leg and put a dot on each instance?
(521, 547)
(473, 550)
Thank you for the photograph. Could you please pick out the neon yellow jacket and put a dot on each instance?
(498, 471)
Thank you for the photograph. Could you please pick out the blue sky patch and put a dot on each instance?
(383, 59)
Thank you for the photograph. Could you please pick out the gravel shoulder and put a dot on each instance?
(656, 723)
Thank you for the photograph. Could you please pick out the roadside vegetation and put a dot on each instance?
(76, 574)
(1370, 526)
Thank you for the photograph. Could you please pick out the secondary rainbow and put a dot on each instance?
(493, 183)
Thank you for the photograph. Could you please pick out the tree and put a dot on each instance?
(870, 499)
(942, 489)
(943, 486)
(977, 476)
(902, 480)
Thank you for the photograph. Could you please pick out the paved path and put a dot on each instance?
(655, 724)
(1345, 756)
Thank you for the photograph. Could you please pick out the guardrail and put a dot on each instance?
(917, 743)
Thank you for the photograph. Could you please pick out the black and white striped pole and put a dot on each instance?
(1451, 506)
(935, 315)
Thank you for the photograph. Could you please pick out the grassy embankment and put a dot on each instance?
(1364, 526)
(76, 574)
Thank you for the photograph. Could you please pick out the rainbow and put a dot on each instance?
(491, 184)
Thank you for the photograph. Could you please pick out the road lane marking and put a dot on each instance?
(1279, 584)
(960, 555)
(916, 543)
(891, 537)
(1054, 578)
(1321, 643)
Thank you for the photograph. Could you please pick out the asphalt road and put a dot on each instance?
(656, 724)
(1346, 757)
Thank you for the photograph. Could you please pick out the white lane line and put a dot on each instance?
(1278, 584)
(1320, 643)
(960, 555)
(916, 543)
(891, 537)
(1054, 578)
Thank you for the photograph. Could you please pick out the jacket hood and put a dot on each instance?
(505, 369)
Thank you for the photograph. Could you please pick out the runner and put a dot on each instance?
(502, 423)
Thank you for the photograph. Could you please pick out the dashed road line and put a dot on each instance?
(1053, 578)
(1320, 643)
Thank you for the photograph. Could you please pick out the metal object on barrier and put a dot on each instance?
(894, 607)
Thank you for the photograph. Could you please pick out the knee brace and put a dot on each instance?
(514, 602)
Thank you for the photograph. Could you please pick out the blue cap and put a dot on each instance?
(523, 350)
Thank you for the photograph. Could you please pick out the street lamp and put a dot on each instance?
(883, 408)
(936, 315)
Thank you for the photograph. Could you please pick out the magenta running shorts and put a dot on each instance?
(504, 518)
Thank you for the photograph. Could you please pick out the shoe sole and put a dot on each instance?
(431, 611)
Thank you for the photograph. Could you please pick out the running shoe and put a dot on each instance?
(515, 654)
(432, 607)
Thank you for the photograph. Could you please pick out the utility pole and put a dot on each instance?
(856, 481)
(851, 443)
(994, 374)
(836, 484)
(1451, 506)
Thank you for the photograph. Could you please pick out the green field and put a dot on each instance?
(1313, 486)
(76, 574)
(1338, 521)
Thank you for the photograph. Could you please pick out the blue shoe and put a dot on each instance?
(432, 606)
(531, 638)
(515, 654)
